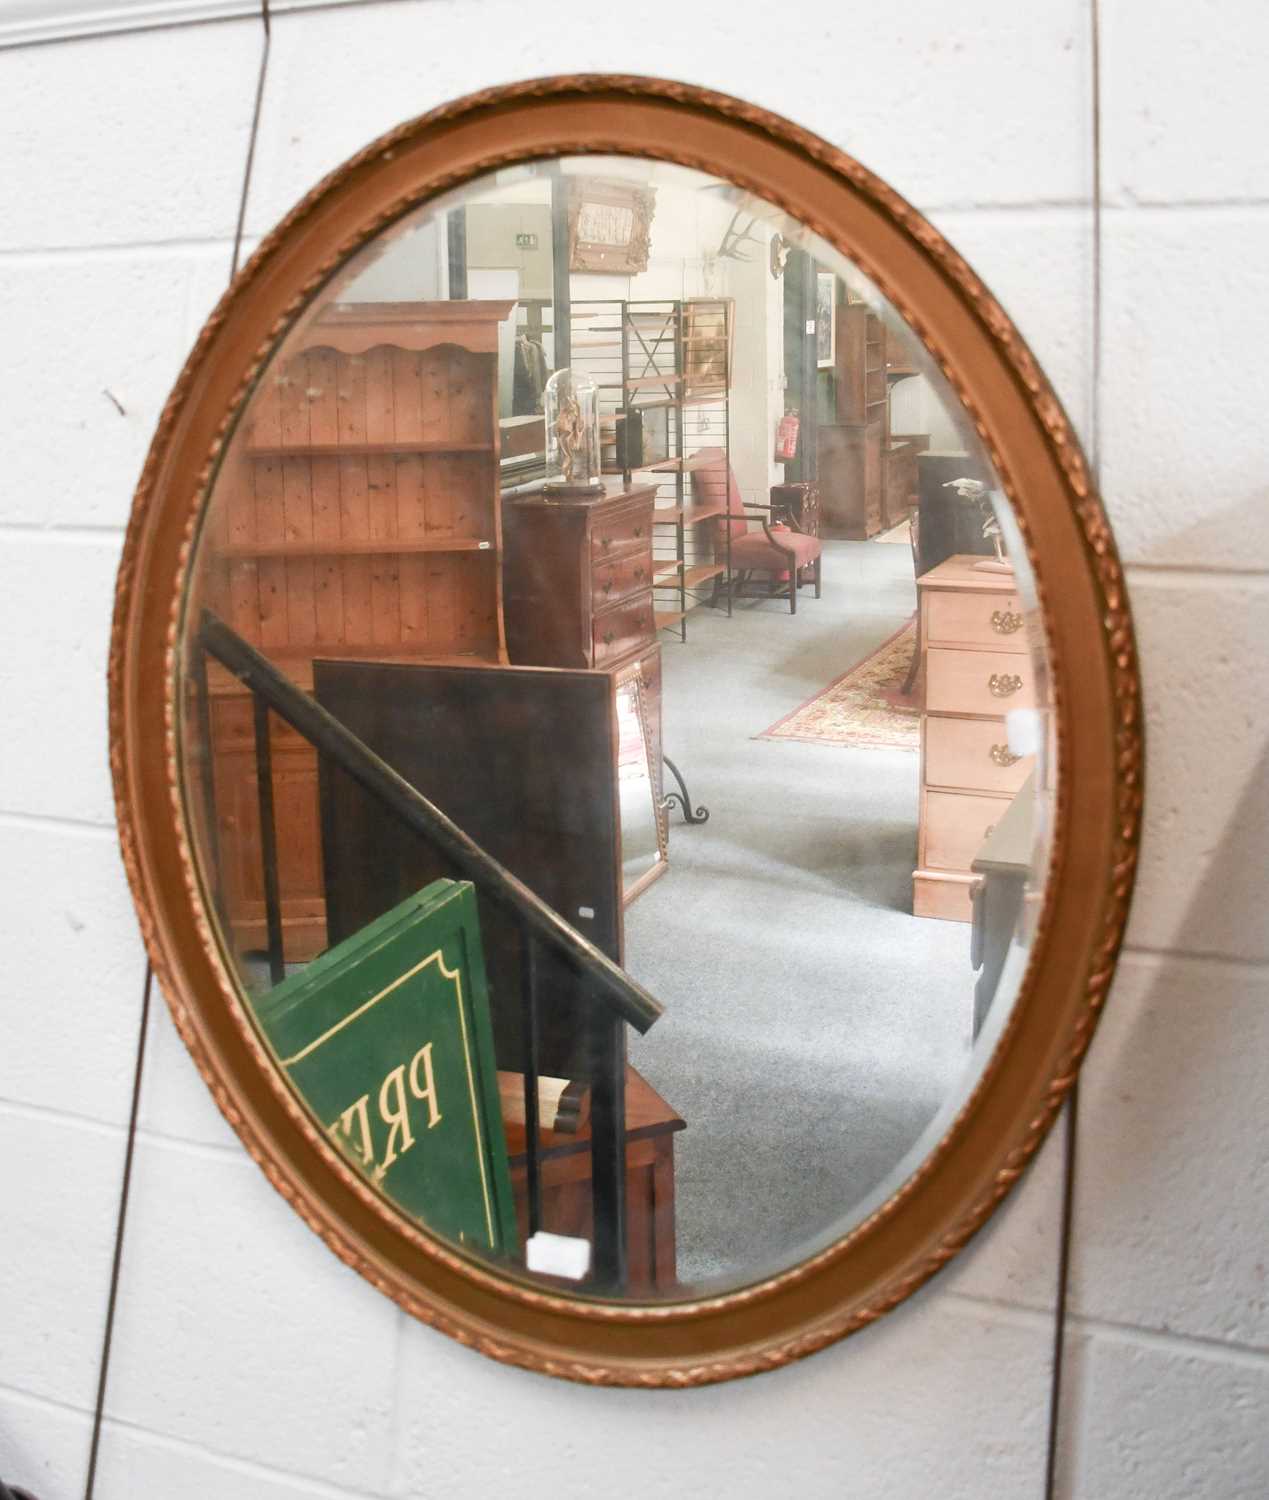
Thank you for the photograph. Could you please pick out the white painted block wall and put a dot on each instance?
(247, 1360)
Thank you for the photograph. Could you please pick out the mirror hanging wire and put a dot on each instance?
(99, 1407)
(1071, 1122)
(116, 1264)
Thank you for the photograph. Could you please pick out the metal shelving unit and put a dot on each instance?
(663, 371)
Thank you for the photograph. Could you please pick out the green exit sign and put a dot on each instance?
(386, 1038)
(526, 242)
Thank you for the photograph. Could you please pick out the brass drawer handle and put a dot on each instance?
(1005, 622)
(605, 542)
(1004, 684)
(638, 531)
(608, 586)
(638, 573)
(608, 637)
(1002, 755)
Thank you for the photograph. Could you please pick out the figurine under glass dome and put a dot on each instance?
(571, 406)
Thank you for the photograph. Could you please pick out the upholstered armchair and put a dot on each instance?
(774, 547)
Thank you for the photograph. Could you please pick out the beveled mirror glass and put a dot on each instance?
(639, 611)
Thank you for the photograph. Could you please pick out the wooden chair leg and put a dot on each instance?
(819, 562)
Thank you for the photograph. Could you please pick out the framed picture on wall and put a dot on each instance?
(825, 319)
(709, 333)
(609, 226)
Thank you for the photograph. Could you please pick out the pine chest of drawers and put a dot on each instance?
(977, 667)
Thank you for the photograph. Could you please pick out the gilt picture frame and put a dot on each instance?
(609, 226)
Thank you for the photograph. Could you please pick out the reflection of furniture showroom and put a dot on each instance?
(977, 666)
(368, 537)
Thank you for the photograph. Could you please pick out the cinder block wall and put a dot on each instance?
(247, 1360)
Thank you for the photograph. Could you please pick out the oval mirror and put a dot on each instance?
(625, 731)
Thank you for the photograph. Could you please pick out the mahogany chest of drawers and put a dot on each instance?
(577, 578)
(977, 666)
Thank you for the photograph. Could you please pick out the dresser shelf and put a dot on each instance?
(688, 512)
(376, 547)
(361, 450)
(693, 576)
(679, 465)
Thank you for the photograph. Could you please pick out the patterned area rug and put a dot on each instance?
(864, 706)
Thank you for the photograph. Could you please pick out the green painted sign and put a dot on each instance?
(387, 1039)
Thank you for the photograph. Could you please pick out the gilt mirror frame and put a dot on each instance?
(1096, 701)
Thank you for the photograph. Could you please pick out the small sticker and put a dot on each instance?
(586, 911)
(557, 1255)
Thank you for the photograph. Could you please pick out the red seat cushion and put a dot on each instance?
(753, 550)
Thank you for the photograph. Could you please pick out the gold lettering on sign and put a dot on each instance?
(397, 1120)
(341, 1131)
(418, 1090)
(361, 1112)
(394, 1112)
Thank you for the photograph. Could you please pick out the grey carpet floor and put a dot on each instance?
(813, 1026)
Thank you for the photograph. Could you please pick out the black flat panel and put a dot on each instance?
(949, 525)
(520, 758)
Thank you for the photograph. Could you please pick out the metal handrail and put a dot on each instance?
(608, 981)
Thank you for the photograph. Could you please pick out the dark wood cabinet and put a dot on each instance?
(901, 478)
(850, 480)
(868, 476)
(850, 447)
(801, 503)
(577, 578)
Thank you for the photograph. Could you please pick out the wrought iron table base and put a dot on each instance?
(681, 799)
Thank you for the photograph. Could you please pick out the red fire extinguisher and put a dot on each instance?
(786, 443)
